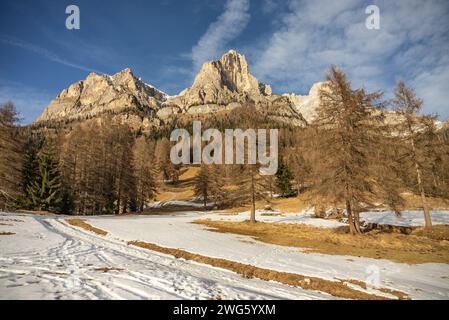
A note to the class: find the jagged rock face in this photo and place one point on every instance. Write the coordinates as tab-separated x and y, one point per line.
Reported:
307	105
221	83
98	94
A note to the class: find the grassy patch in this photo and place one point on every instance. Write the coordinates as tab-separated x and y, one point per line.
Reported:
37	212
337	288
7	233
305	201
84	225
419	247
413	202
182	190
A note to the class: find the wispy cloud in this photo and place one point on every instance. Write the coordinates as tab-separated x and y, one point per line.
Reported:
269	7
227	27
12	41
412	43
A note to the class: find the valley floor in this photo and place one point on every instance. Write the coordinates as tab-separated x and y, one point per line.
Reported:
44	257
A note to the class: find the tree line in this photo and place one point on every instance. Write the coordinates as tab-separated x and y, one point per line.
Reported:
356	155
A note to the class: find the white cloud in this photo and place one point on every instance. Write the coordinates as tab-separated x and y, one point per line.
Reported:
227	27
268	6
412	43
432	87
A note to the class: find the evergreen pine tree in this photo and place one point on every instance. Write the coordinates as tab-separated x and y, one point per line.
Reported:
45	191
283	180
10	156
203	184
30	171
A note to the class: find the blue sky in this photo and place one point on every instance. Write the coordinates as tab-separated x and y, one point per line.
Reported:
288	43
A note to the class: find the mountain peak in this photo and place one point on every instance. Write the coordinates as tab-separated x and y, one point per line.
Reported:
232	52
221	82
101	93
233	55
126	71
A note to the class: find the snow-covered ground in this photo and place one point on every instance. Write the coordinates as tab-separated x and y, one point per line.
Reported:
407	218
179	203
424	281
304	217
48	259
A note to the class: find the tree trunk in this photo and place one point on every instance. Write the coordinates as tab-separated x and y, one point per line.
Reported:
141	201
357	222
354	227
117	210
141	206
253	212
427	218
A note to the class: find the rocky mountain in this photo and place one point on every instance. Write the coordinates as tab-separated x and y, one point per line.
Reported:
220	85
226	84
307	105
99	94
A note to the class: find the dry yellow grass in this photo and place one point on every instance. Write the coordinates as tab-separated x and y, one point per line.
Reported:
305	201
7	233
189	173
175	194
183	190
415	248
84	225
284	205
337	288
413	201
41	213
